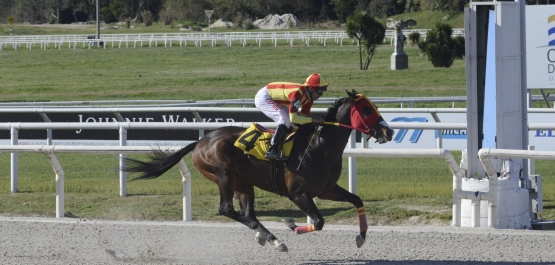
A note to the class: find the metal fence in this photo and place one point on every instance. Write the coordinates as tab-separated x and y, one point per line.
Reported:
198	39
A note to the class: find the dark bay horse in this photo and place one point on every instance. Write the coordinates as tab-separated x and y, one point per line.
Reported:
312	169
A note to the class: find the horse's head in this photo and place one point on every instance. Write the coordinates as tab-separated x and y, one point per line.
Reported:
360	113
366	118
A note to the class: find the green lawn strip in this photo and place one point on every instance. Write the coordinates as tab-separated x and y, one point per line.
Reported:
393	190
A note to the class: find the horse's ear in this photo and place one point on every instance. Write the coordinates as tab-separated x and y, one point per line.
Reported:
355	92
351	94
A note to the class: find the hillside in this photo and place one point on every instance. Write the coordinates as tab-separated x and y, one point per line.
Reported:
427	19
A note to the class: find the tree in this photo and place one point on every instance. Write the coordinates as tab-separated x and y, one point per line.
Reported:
54	7
367	31
344	8
31	11
386	8
8	9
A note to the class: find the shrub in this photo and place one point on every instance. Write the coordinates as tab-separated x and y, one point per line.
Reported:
238	19
414	38
189	24
289	24
439	46
147	18
165	17
248	25
107	15
422	48
459	47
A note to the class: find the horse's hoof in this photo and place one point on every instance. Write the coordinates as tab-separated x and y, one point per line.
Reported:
289	222
280	246
360	241
259	239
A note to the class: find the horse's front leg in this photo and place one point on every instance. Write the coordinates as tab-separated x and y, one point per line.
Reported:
340	194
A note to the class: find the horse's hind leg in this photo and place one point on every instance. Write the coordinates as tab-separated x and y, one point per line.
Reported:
340	194
307	205
246	203
227	209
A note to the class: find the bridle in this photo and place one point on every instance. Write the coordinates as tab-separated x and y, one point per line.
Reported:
360	123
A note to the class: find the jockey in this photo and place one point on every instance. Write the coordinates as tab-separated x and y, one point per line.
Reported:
281	101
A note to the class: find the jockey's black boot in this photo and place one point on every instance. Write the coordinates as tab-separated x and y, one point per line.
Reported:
277	140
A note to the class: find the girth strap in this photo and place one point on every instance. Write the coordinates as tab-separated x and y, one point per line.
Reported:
273	175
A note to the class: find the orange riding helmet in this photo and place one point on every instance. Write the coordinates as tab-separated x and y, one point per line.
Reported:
316	81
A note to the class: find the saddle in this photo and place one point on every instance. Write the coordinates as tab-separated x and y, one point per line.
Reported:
256	140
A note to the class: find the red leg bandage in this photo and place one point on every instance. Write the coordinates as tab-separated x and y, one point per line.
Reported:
362	219
304	229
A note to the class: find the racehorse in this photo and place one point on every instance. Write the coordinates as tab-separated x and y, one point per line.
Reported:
312	169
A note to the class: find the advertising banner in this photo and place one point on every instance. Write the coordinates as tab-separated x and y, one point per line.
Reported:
540	46
403	139
111	137
543	140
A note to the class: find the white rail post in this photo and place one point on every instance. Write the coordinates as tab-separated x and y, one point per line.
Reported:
49	137
186	182
122	174
475	212
14	160
457	200
60	180
531	162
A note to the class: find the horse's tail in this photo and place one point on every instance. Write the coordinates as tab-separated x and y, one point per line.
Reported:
158	162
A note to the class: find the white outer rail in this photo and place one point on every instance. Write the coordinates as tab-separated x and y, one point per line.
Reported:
458	174
458	194
121	126
170	39
124	126
181	39
50	151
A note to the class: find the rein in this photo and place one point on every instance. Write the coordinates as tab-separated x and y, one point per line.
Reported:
343	125
317	132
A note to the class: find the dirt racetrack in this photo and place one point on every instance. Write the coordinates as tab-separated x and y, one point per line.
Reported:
75	241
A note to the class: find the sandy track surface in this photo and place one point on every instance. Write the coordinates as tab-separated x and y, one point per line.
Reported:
74	241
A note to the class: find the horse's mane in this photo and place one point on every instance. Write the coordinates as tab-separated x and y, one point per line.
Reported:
331	114
332	111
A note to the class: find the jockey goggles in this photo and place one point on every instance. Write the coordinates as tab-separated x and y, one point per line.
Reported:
320	90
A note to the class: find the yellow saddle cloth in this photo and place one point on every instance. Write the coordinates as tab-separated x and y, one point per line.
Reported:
255	141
